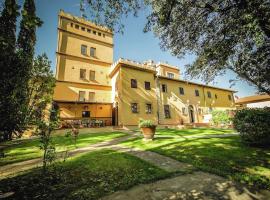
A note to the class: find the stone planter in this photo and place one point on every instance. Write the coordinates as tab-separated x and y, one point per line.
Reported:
148	132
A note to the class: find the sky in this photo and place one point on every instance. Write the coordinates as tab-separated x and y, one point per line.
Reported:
133	44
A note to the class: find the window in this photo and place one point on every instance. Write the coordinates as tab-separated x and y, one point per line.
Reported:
215	96
71	24
181	91
94	32
147	85
92	52
197	93
85	113
167	111
170	75
92	75
91	96
77	26
230	97
133	83
82	28
99	34
148	108
134	107
164	88
83	49
82	73
81	95
209	94
88	31
103	35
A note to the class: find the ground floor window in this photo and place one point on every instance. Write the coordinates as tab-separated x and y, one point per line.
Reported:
148	108
167	111
85	113
134	107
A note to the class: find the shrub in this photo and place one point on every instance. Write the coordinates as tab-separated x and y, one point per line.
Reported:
146	124
253	125
221	117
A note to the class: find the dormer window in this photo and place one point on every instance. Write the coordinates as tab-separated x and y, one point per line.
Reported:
170	75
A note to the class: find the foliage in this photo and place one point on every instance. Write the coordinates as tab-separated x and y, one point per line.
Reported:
75	134
16	66
226	156
88	176
9	90
253	125
221	117
223	34
146	124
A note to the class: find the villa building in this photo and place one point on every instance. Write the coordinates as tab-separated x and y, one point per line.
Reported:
91	87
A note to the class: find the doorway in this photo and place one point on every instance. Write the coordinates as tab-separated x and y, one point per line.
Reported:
191	113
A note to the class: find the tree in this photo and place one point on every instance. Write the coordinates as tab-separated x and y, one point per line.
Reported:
223	34
8	64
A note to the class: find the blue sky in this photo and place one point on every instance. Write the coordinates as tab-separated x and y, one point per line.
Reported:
133	44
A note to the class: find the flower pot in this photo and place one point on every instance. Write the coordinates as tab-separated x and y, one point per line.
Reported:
148	132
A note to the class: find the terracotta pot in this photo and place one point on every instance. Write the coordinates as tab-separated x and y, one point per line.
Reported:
148	132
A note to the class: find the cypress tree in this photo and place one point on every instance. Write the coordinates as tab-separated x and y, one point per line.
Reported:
8	104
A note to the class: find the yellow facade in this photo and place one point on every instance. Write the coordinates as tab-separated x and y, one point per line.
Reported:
89	85
186	107
84	55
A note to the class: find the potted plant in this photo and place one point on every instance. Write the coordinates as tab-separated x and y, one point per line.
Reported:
148	129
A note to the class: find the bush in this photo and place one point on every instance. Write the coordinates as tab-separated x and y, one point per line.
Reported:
146	124
221	117
253	125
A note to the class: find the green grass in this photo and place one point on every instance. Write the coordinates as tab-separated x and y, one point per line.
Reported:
227	157
26	149
88	176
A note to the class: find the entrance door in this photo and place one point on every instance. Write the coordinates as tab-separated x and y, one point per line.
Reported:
191	114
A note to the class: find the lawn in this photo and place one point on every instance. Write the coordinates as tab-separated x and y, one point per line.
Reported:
21	150
87	176
227	157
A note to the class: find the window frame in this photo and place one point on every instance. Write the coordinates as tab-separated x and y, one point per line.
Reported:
146	86
147	108
197	93
167	112
83	72
84	48
91	72
165	89
136	106
181	91
169	74
133	83
93	96
82	92
209	95
93	49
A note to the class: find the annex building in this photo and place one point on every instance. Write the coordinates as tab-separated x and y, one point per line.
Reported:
97	91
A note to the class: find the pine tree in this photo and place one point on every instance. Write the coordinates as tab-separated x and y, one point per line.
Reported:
8	105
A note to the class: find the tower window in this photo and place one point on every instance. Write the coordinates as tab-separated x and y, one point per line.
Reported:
230	97
82	73
92	75
83	49
82	28
99	34
92	52
77	26
88	31
170	75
